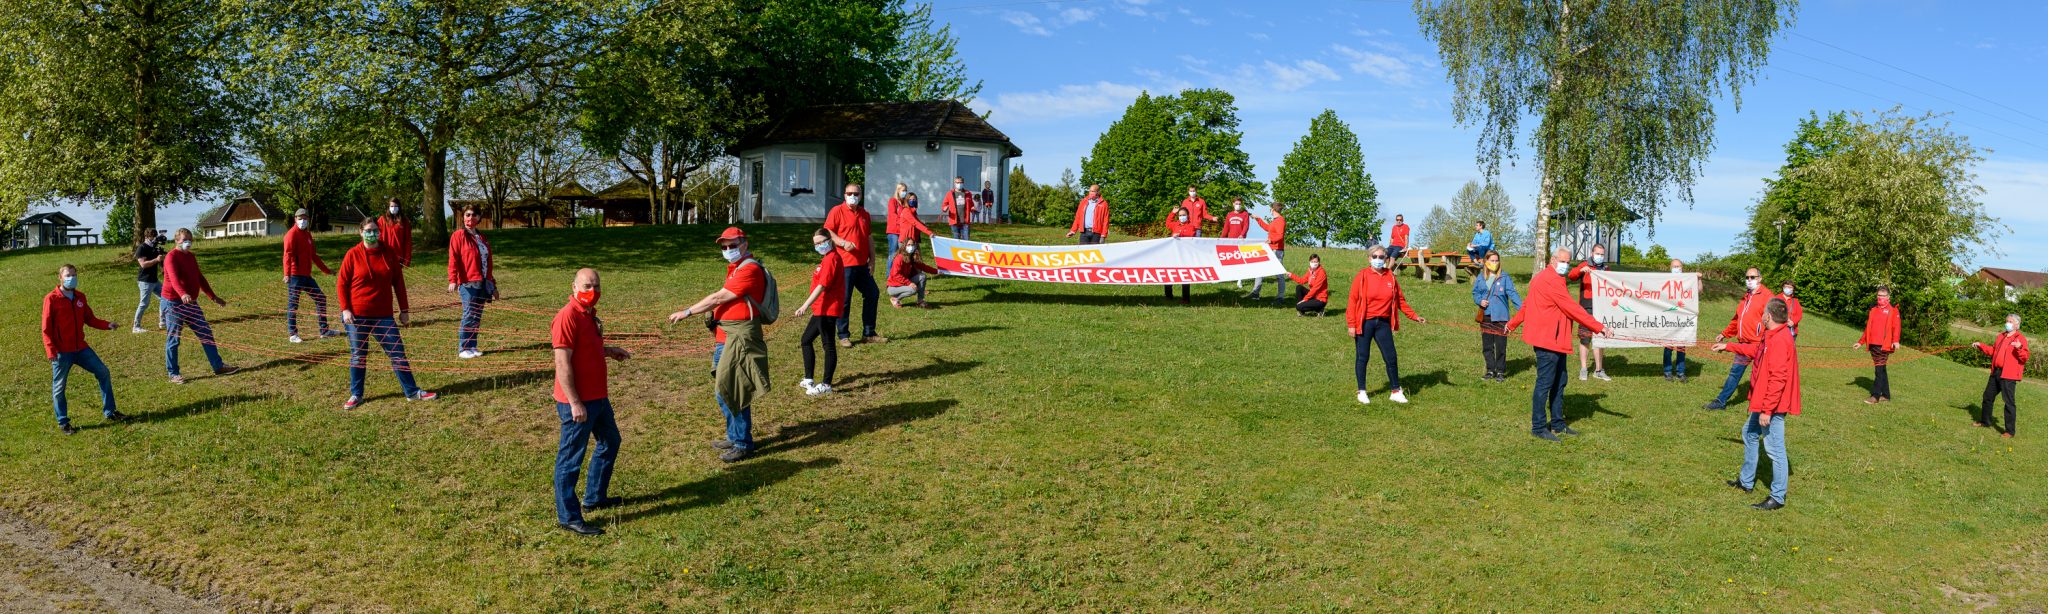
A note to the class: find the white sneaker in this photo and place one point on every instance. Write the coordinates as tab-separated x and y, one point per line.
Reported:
1582	375
296	339
806	384
1364	399
1602	376
137	329
468	354
1398	397
819	390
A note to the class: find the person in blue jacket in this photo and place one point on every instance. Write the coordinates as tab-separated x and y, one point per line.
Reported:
1494	292
1482	242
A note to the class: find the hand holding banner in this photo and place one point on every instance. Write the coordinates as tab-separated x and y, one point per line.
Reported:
1149	262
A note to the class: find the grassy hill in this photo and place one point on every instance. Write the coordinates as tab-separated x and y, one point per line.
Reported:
1023	447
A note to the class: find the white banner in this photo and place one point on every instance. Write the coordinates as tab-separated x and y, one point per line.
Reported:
1647	310
1148	262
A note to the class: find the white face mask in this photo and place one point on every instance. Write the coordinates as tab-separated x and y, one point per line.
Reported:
1379	263
185	245
1599	259
823	248
1559	267
1751	283
1677	270
1238	207
2008	327
1315	265
1191	194
910	249
393	210
853	199
303	224
1788	291
957	186
732	254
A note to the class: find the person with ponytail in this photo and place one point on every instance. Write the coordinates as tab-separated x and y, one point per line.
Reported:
1493	291
828	294
1375	296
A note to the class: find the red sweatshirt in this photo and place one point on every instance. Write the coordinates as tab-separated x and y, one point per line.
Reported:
396	236
1376	294
64	322
367	281
298	253
1276	232
1748	324
1236	224
1182	229
2008	355
959	206
1398	237
465	259
1549	310
1882	329
899	271
1317	282
182	277
1774	385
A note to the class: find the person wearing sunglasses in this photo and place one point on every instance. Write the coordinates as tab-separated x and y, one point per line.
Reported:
850	228
1746	327
470	271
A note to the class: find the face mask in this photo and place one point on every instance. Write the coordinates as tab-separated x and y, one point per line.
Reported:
1379	263
910	249
303	224
2008	327
71	283
1559	267
823	248
185	245
1676	270
1788	291
853	199
1191	194
957	186
1751	283
1599	259
1237	207
731	254
1183	219
370	239
393	210
587	297
1492	267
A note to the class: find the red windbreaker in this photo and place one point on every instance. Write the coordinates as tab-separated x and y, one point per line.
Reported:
1318	283
298	253
959	206
64	322
1748	324
1100	222
465	261
1881	330
899	276
2008	355
1376	294
1774	385
1549	310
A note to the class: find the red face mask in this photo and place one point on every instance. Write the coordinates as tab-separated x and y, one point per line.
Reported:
587	297
468	222
1884	301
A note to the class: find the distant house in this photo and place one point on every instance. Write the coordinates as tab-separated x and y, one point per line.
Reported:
2014	281
49	230
1580	231
791	170
253	214
528	212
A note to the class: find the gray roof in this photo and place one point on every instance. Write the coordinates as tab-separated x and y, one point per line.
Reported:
926	119
56	218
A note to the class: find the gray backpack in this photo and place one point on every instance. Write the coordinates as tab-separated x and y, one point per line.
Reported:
770	307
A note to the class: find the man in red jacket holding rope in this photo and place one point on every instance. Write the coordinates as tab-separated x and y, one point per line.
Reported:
1773	395
1549	310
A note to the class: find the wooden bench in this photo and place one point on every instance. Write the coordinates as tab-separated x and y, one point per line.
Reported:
1427	263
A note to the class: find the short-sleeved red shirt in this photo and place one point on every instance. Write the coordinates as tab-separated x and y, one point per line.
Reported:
748	281
853	224
578	330
831	275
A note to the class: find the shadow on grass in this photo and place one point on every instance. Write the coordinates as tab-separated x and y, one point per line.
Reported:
948	333
1518	365
1424	381
195	408
939	367
494	381
735	481
1582	406
305	359
834	430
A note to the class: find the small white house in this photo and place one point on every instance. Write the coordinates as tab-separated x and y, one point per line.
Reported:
248	215
1579	233
792	170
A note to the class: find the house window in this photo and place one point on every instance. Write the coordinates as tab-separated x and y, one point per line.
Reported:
798	173
967	165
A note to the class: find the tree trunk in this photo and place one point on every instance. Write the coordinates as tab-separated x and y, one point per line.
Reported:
145	214
435	218
1542	238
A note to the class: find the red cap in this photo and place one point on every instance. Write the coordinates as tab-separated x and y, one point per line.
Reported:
732	232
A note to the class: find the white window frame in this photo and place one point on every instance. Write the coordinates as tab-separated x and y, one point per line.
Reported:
808	182
973	183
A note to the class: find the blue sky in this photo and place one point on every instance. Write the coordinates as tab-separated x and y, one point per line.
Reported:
1057	73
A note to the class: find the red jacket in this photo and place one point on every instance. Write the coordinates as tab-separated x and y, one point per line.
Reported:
1318	283
1549	310
1774	383
298	252
1182	229
465	262
899	277
902	221
64	322
1198	210
962	212
368	280
1398	237
396	236
1794	312
889	219
1376	294
2008	360
1101	221
1276	232
1882	329
1748	324
1579	274
183	278
1236	224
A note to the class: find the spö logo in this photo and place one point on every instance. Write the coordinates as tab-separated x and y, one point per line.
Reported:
1242	254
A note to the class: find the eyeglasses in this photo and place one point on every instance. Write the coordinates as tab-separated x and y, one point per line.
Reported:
1752	277
853	193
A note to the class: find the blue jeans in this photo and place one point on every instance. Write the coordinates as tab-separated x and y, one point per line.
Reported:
176	317
292	287
1734	379
1376	331
739	425
385	330
1281	255
1478	254
149	290
598	421
1674	362
60	374
895	243
860	278
1546	402
1394	252
960	231
1773	437
473	300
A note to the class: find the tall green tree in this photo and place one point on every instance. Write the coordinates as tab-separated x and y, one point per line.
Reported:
1476	202
1775	221
114	102
926	61
1896	204
1328	196
1141	163
1205	121
1622	92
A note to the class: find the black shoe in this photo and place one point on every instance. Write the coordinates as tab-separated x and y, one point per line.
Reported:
1667	377
1546	436
579	528
1738	484
1566	431
722	444
604	503
1769	504
119	417
67	429
733	455
1681	378
1715	405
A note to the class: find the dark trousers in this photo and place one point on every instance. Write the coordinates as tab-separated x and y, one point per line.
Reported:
1090	238
292	287
860	278
1394	252
1674	362
1493	344
1882	386
820	325
598	423
385	332
1546	402
1303	304
1992	389
473	299
1183	292
1378	331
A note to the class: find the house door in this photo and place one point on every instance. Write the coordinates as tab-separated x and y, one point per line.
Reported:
967	166
755	168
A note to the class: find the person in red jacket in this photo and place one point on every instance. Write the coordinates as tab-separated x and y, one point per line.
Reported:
1584	275
1881	337
1747	327
65	316
2008	354
1798	312
1774	394
471	270
1375	296
1197	208
299	261
1091	217
394	231
1276	240
907	277
1397	239
1182	226
1549	310
1311	290
892	220
907	224
369	279
183	282
828	293
959	208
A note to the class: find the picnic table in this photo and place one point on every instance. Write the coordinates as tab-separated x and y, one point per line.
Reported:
1427	263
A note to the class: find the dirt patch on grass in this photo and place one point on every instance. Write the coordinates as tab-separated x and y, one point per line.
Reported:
40	573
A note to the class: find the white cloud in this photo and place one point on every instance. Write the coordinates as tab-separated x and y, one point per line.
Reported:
1260	36
1027	23
1390	69
1076	15
1136	7
1068	101
1268	76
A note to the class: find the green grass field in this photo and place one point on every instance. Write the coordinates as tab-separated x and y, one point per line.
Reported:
1023	447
